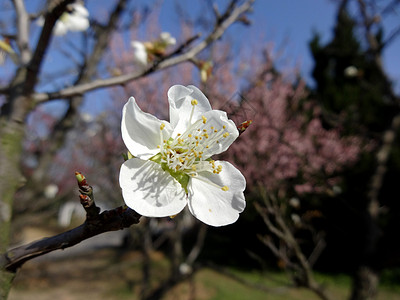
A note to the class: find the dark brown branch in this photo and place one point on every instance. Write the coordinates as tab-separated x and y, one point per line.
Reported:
95	224
56	9
70	119
110	220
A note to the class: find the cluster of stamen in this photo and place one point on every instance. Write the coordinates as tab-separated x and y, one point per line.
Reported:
185	152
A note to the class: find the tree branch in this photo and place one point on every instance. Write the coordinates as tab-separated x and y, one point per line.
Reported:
56	9
220	28
23	31
95	224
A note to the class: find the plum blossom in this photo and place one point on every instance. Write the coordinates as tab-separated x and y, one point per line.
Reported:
145	52
171	164
139	53
351	71
75	19
167	39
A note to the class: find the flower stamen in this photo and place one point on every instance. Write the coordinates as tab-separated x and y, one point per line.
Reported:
194	102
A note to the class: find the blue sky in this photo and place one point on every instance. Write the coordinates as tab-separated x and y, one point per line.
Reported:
298	19
287	23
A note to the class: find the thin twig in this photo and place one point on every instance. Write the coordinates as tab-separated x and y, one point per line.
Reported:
165	63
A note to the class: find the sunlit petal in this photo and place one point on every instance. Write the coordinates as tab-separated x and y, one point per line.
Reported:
141	131
182	112
149	190
208	200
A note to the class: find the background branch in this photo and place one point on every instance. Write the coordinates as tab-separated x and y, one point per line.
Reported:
219	29
95	224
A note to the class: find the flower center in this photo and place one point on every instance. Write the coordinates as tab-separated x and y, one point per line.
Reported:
188	153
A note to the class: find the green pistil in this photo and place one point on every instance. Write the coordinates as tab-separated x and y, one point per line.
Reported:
181	177
156	158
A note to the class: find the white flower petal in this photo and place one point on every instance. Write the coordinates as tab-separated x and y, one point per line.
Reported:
80	10
141	131
149	190
60	28
77	23
167	38
180	106
209	203
139	53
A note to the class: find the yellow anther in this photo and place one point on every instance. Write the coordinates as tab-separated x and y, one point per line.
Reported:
205	130
194	168
158	146
162	126
178	134
225	134
194	102
189	135
215	130
204	119
224	127
224	188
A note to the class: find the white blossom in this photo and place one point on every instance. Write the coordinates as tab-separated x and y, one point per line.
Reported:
76	19
351	71
172	166
167	39
139	53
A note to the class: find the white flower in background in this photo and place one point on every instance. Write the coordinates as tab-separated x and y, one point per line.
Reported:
145	52
139	53
167	39
78	19
296	219
172	166
294	202
75	19
51	191
351	71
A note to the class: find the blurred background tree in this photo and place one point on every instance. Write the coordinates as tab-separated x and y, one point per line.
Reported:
356	95
321	161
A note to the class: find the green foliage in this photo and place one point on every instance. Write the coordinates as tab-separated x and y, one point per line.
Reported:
361	100
360	103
